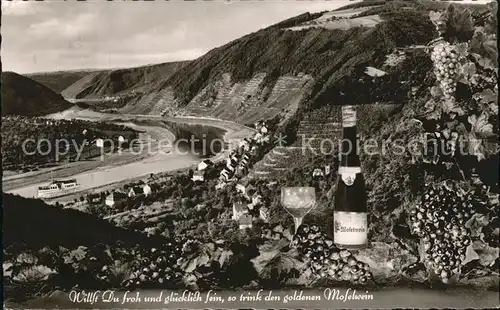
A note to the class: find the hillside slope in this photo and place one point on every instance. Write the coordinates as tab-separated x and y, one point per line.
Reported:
23	96
278	70
58	81
44	225
111	82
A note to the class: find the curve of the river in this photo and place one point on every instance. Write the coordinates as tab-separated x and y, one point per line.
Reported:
156	159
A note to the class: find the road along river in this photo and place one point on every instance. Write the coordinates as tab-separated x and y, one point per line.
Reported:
131	164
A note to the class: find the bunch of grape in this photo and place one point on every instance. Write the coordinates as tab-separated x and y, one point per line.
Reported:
394	58
446	67
440	145
439	220
326	260
151	268
159	267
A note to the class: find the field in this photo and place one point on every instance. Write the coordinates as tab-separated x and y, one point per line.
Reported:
343	19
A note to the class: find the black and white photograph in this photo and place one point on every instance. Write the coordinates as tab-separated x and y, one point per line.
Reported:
230	154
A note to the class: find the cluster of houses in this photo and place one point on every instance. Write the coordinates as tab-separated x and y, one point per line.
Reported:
116	196
238	162
237	165
40	121
199	174
318	172
248	199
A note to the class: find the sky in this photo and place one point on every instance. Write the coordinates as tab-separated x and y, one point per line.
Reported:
56	35
59	35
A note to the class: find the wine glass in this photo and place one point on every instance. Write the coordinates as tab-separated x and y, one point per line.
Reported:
298	201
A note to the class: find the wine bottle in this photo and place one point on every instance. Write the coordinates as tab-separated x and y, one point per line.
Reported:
350	221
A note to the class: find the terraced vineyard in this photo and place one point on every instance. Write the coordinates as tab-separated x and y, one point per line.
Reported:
317	133
243	102
149	216
247	102
159	103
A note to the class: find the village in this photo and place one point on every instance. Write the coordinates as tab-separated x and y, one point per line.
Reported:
152	199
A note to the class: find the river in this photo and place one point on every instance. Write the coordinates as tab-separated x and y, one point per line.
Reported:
155	157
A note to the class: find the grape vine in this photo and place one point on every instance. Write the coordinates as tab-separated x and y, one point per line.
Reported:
460	133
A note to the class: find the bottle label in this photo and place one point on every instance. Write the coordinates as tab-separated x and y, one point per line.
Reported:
350	228
348	116
348	179
348	174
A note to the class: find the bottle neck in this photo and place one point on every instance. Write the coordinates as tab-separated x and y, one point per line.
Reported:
349	156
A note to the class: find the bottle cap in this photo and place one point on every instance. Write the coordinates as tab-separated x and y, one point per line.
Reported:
348	116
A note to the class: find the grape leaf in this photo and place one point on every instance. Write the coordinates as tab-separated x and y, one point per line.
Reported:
480	125
470	255
450	106
432	110
491	25
487	254
483	47
191	266
461	129
475	146
436	92
467	71
459	24
490	98
7	269
436	17
203	259
224	257
34	273
462	50
75	255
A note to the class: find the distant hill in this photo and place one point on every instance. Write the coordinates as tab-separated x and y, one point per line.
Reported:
24	96
111	82
285	69
60	80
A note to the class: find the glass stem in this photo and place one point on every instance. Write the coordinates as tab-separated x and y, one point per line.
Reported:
297	221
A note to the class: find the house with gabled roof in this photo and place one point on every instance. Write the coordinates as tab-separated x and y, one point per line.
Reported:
204	164
239	209
220	185
327	169
225	174
245	221
94	198
264	214
240	188
114	197
244	162
136	190
198	176
146	189
318	173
